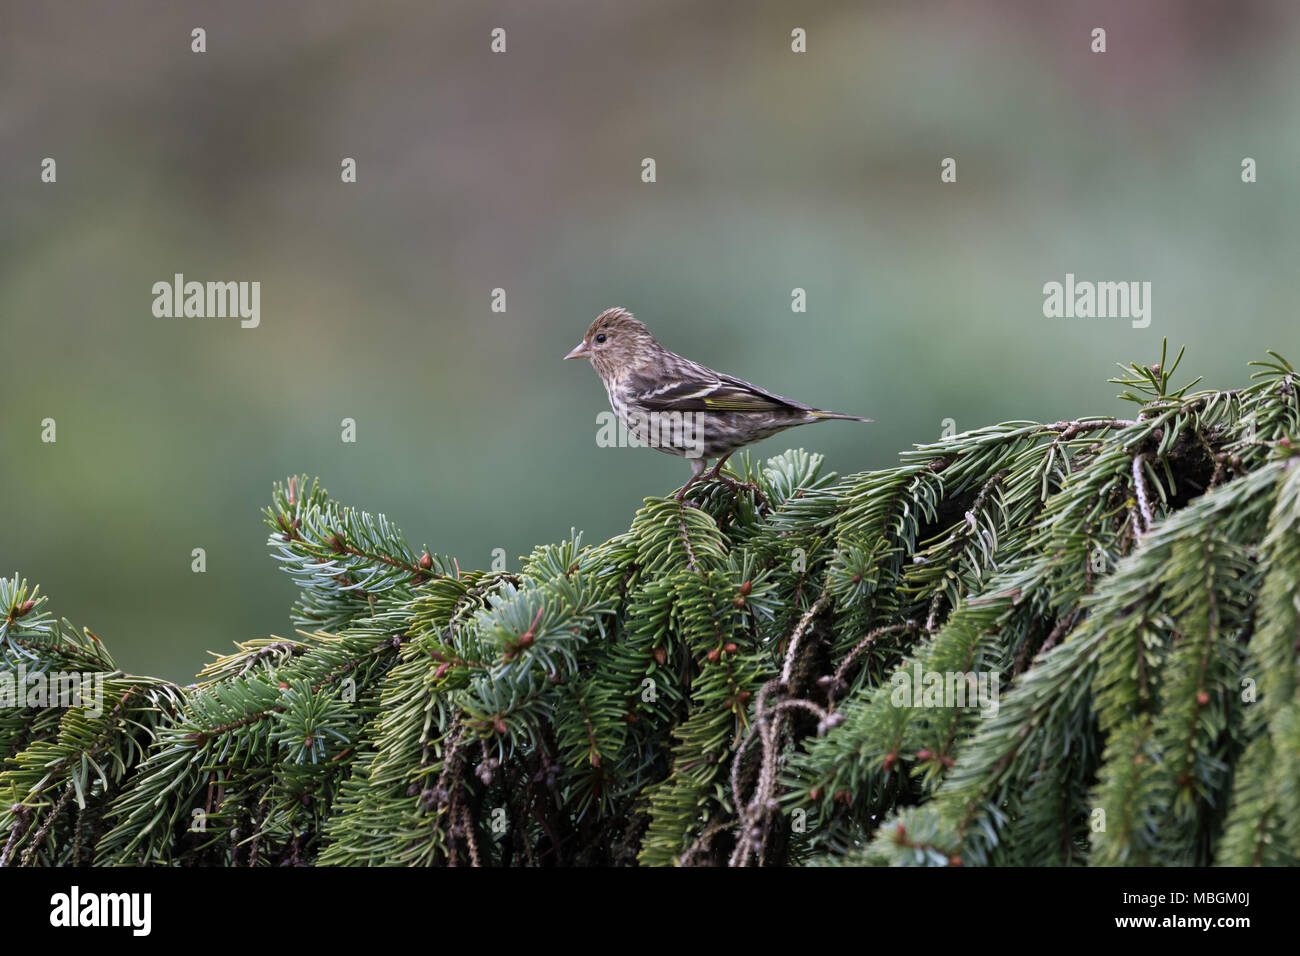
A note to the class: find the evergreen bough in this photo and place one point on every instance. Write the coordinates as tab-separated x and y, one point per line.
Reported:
718	684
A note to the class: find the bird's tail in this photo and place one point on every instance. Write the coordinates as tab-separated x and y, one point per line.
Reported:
819	414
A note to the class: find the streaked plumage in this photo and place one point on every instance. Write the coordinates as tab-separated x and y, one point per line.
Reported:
682	407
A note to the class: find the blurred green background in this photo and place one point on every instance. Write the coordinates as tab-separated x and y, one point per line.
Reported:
776	170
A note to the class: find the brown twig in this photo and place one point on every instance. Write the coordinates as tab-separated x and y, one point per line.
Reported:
792	647
1140	489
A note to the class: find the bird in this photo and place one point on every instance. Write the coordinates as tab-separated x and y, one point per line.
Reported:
681	407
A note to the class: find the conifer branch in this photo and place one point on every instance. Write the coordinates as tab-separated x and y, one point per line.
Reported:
1031	643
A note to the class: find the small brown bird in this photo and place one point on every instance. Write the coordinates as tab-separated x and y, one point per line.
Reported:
682	407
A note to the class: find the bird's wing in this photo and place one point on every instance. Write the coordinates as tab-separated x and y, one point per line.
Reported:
701	390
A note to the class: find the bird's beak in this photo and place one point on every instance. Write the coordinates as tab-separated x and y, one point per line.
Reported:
579	351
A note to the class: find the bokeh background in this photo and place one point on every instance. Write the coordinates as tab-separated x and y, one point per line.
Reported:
521	170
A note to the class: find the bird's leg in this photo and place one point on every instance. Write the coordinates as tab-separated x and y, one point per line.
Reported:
736	485
697	469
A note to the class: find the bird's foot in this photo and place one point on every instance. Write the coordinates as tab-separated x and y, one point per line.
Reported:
750	486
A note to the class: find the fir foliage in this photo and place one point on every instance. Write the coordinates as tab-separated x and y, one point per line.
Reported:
729	682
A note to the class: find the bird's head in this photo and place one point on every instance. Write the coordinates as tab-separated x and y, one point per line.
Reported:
614	343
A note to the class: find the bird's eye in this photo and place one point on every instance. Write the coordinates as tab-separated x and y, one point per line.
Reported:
601	337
